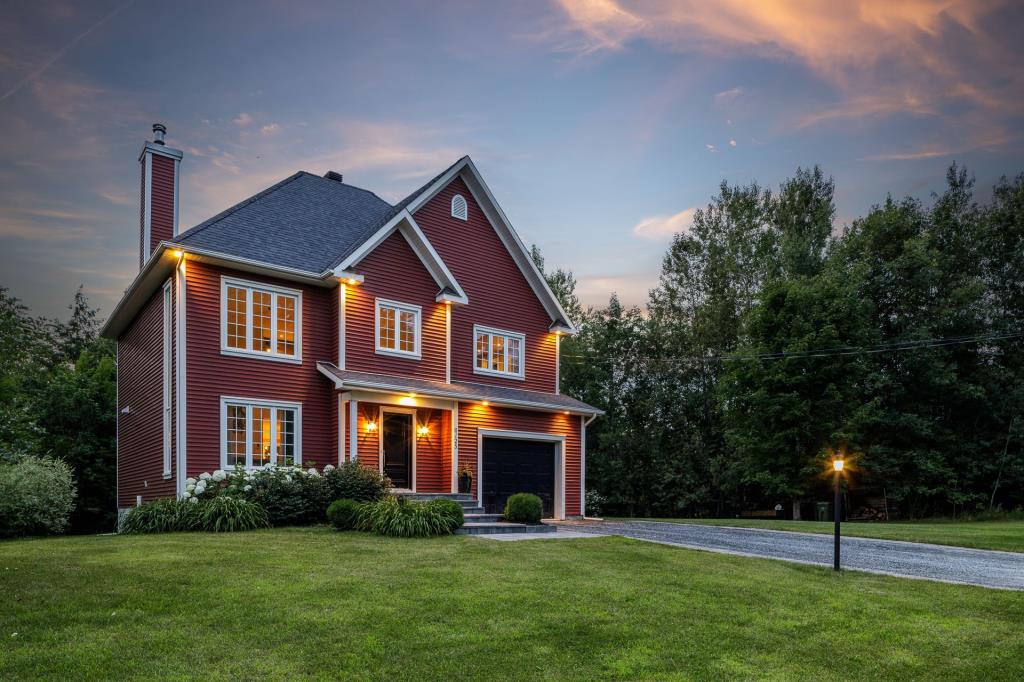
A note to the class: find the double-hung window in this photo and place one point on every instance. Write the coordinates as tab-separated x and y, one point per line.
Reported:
398	328
261	319
258	433
499	353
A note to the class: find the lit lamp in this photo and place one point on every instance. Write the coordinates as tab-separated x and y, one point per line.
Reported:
837	466
371	427
422	430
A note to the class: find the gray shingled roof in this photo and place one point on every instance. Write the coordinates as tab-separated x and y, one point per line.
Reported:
302	222
461	390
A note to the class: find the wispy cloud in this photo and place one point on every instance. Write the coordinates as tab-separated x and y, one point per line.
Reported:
270	129
242	120
664	226
727	96
41	69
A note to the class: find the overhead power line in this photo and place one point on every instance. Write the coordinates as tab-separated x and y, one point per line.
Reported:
888	347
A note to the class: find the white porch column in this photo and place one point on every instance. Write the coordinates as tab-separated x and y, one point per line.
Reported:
353	433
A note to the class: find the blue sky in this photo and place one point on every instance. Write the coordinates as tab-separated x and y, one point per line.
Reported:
599	125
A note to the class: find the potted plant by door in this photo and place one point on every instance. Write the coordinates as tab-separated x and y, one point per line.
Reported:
465	479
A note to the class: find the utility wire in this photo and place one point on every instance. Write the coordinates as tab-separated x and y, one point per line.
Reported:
888	347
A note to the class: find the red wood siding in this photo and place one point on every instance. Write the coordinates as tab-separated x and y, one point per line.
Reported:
161	225
393	271
211	375
473	417
499	295
140	456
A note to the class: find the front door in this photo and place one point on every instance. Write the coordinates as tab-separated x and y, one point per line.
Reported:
396	441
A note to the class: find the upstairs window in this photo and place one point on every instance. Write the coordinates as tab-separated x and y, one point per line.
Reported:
260	319
499	353
398	328
459	208
256	434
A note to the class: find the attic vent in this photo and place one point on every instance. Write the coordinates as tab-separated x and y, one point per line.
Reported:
459	208
332	175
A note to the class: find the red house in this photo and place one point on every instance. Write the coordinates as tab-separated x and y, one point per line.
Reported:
315	323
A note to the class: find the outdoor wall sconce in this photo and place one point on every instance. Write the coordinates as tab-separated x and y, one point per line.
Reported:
371	427
422	430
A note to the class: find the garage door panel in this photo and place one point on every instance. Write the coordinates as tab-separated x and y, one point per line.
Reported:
517	466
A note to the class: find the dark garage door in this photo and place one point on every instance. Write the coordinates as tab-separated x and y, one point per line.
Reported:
518	466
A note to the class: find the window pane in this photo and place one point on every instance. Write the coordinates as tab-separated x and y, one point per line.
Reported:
407	332
513	355
236	317
260	436
285	437
286	325
387	328
482	360
261	340
498	353
236	435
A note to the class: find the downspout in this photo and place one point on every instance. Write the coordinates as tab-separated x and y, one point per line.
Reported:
583	465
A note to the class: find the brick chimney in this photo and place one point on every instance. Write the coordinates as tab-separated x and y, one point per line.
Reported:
158	219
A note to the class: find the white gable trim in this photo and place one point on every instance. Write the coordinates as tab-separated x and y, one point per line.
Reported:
421	246
501	224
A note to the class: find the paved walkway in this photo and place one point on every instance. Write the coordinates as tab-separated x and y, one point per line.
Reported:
906	559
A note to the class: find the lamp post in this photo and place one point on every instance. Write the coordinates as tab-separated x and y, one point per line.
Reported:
837	466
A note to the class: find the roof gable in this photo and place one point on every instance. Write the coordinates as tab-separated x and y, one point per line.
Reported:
467	170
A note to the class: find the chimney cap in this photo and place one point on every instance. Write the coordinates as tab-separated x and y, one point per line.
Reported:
159	130
333	175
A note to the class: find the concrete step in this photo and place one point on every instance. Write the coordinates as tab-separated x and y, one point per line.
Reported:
426	497
481	517
491	528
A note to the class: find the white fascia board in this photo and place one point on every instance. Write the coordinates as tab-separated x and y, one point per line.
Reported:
421	246
501	224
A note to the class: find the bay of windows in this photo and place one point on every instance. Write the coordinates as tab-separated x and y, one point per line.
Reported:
499	352
260	434
260	319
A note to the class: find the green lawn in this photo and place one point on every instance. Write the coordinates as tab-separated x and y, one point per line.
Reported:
1005	535
312	603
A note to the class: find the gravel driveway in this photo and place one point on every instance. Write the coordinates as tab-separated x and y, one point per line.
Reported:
906	559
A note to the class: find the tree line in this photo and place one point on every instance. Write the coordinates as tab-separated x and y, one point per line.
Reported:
774	340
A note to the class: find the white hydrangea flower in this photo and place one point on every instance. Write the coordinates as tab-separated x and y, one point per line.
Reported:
313	472
329	467
187	494
219	475
190	487
190	481
247	488
205	476
193	499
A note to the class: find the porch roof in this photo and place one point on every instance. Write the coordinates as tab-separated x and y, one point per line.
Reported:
498	395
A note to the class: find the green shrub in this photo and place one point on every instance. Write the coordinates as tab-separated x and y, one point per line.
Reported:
523	508
450	511
400	518
162	516
344	514
227	514
353	481
37	495
291	497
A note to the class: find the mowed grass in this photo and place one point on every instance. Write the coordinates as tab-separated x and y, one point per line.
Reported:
316	604
1003	535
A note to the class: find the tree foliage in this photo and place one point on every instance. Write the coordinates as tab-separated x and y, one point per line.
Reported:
773	339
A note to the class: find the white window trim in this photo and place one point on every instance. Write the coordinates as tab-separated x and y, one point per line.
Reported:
465	208
168	303
492	331
274	405
250	286
398	305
